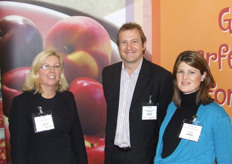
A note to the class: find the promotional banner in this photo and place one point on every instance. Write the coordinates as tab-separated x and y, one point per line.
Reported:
85	34
204	26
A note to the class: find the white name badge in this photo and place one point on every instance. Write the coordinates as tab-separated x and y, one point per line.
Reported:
43	123
190	132
149	112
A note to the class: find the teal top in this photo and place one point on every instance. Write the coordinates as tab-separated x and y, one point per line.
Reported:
215	140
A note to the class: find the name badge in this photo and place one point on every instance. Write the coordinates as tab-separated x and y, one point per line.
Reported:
149	112
43	122
190	132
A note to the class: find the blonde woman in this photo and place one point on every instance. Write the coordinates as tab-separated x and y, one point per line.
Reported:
44	123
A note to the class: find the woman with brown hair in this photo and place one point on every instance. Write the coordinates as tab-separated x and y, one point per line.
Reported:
195	130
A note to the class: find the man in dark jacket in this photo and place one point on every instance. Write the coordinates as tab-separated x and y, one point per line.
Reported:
137	93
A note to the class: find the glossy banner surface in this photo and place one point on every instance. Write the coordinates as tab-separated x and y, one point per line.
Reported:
203	26
84	32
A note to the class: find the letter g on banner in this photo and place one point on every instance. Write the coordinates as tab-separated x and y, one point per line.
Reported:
225	24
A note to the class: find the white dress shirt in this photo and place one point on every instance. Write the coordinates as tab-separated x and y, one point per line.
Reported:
127	87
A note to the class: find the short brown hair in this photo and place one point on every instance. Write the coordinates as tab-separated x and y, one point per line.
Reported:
131	26
194	59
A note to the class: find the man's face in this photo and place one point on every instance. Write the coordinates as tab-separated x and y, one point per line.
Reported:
130	46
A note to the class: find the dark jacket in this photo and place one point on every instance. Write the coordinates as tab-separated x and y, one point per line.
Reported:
62	145
153	80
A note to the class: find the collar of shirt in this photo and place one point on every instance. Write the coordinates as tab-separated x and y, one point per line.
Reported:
137	69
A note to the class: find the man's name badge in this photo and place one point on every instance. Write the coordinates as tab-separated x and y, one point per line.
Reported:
43	122
190	132
149	112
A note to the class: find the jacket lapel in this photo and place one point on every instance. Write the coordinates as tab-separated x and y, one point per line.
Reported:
115	80
142	82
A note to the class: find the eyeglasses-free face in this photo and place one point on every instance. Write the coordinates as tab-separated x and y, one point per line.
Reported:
188	78
130	46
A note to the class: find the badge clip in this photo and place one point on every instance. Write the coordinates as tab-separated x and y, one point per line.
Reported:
40	109
150	100
194	119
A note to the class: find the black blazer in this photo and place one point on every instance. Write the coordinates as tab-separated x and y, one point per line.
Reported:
153	80
63	145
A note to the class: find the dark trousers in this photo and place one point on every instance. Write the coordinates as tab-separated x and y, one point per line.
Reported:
120	156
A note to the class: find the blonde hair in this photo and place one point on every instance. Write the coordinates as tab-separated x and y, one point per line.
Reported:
32	83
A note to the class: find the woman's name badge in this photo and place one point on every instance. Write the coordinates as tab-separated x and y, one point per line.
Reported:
190	132
149	112
43	122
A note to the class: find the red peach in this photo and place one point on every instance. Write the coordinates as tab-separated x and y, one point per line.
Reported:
91	104
12	82
84	38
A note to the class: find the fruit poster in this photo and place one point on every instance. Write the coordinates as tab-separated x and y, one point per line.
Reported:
85	33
